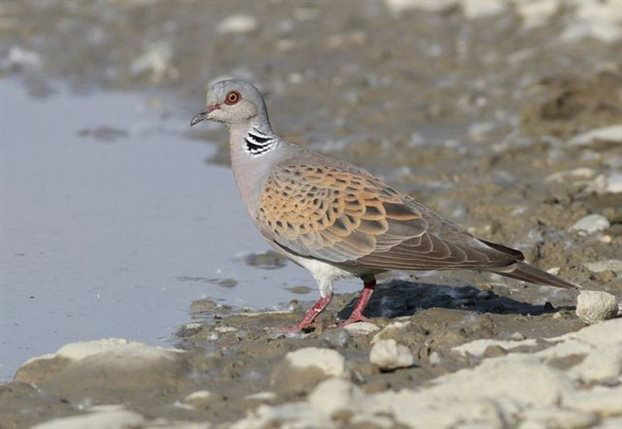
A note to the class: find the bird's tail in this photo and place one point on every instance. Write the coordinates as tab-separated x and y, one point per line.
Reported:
531	274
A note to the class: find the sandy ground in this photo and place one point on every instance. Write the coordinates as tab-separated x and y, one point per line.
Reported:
485	112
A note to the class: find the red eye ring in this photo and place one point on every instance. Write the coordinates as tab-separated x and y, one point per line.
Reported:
232	97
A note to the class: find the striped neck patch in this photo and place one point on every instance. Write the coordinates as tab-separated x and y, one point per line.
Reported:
258	143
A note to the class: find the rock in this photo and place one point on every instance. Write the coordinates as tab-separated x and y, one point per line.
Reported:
388	355
334	395
199	397
156	60
556	418
607	265
99	417
390	330
19	58
336	337
478	347
237	24
602	400
603	365
302	369
591	223
361	328
594	306
614	183
434	358
106	364
612	133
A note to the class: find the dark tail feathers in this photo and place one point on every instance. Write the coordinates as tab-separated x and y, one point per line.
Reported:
531	274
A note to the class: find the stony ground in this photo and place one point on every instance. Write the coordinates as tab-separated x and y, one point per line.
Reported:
506	117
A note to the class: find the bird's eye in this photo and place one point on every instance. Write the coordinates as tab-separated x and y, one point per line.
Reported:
232	97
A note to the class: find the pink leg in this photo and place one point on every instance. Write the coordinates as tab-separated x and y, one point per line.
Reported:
311	314
357	313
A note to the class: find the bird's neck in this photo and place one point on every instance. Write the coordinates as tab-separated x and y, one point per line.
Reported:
252	145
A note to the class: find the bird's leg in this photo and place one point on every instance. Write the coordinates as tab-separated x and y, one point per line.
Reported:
311	313
357	313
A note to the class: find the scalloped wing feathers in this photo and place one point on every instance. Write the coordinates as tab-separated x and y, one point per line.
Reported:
322	208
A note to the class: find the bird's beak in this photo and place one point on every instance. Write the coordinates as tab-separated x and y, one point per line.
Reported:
203	115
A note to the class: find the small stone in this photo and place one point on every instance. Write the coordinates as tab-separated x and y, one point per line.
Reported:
614	183
607	265
304	368
434	358
237	24
591	223
361	328
335	394
225	329
336	337
594	306
517	336
612	133
198	397
388	354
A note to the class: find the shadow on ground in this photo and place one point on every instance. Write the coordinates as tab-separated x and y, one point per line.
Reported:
398	298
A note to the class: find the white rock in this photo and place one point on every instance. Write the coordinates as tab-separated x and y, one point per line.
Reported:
262	396
334	394
594	306
237	24
434	358
591	223
602	400
602	365
614	183
611	133
388	354
19	57
117	346
607	265
225	329
199	396
390	329
536	13
550	417
327	360
100	417
398	6
482	8
577	173
155	60
478	347
361	328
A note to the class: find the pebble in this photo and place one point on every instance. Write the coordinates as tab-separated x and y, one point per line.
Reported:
361	328
237	24
614	183
328	361
389	354
611	133
333	395
336	337
594	306
591	223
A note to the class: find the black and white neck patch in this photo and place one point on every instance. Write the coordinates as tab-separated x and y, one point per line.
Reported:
258	143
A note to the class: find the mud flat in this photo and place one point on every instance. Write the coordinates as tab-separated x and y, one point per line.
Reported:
505	117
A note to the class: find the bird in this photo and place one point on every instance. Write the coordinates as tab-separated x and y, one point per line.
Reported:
338	220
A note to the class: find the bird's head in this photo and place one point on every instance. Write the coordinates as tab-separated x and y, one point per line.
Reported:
232	101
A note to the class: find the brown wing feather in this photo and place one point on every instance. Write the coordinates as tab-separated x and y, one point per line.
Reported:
332	211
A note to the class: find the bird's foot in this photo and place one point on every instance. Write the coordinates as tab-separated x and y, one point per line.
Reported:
310	315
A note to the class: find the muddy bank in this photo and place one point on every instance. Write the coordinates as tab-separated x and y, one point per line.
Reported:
505	119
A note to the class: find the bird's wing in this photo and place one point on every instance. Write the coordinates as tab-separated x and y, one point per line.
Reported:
340	214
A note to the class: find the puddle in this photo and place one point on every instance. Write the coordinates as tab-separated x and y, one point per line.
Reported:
113	224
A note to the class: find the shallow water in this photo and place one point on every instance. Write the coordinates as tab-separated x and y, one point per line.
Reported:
112	224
